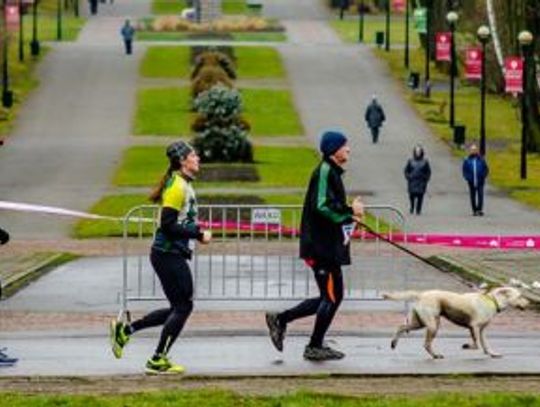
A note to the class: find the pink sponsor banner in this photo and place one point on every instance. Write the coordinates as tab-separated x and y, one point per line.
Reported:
398	5
11	13
443	46
473	63
513	74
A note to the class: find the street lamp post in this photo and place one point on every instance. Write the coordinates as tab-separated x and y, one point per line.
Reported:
452	18
407	17
387	43
525	39
361	8
59	21
21	32
427	84
34	44
7	95
483	34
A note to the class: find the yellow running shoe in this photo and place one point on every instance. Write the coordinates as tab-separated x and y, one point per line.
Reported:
118	337
163	366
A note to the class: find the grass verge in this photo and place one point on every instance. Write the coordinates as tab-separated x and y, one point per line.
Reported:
276	167
176	6
222	398
167	111
348	30
174	62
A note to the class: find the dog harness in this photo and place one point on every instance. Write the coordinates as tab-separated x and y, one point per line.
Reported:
493	301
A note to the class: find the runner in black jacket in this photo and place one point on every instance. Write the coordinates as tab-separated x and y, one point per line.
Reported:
327	222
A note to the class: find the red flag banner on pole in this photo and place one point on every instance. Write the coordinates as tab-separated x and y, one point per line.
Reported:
442	41
398	6
473	63
11	13
513	74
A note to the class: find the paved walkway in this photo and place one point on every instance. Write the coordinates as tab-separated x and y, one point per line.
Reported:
73	128
333	83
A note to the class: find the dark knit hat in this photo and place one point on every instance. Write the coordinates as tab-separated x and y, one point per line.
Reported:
332	141
178	150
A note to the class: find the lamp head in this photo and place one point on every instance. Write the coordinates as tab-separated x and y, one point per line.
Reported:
452	17
525	38
483	33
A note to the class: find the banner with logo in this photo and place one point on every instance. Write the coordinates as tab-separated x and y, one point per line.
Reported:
513	74
473	63
399	5
12	15
420	20
443	46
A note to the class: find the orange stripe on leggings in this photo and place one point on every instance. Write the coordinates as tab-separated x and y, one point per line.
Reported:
330	288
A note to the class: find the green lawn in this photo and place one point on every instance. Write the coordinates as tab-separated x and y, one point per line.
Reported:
271	112
258	62
176	6
166	111
235	36
503	130
174	62
276	166
166	62
163	111
234	7
348	30
47	22
168	6
222	398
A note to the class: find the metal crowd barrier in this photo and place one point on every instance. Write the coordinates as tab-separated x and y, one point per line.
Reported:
254	255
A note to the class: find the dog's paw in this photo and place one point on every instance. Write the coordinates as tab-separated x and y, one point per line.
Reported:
469	346
495	355
438	356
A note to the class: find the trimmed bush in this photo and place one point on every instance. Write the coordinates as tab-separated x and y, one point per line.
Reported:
221	133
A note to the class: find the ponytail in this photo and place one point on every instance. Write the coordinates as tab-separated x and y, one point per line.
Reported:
174	165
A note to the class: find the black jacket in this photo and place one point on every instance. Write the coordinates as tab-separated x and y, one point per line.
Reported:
324	214
417	172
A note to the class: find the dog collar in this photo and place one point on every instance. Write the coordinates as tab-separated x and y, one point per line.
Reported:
493	301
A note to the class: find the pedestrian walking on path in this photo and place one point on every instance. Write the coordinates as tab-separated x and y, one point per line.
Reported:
128	32
171	250
375	118
93	6
5	360
475	172
327	223
417	173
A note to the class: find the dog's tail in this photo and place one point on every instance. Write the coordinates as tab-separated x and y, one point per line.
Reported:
401	295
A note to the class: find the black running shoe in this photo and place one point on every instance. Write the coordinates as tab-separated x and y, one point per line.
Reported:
6	360
276	330
317	354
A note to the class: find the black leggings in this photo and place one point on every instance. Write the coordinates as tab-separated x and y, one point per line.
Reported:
330	283
416	203
175	276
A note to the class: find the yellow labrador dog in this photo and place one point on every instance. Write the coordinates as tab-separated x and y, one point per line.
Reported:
471	310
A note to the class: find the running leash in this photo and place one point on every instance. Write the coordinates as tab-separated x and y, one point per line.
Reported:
398	246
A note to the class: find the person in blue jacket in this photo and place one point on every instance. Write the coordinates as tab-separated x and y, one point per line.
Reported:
475	172
5	360
128	32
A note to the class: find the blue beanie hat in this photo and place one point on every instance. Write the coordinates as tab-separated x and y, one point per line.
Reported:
332	141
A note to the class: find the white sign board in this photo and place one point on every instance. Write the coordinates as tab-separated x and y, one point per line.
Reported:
270	216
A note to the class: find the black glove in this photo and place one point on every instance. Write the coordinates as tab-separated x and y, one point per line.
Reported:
4	236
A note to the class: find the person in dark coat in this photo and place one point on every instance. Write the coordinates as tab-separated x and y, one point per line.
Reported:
375	118
128	32
417	173
93	6
5	360
475	172
326	227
